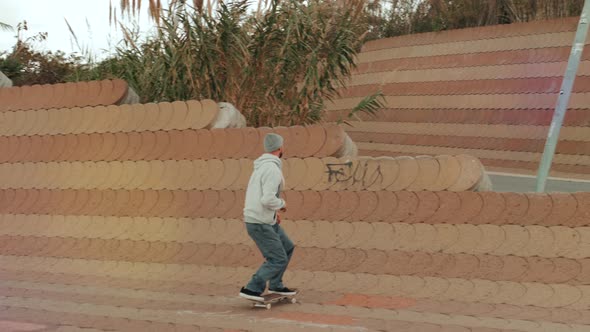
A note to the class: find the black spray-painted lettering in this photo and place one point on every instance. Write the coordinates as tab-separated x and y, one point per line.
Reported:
345	172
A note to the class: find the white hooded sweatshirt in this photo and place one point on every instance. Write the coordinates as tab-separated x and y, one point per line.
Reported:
262	196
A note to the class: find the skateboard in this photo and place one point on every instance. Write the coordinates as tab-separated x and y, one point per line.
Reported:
269	299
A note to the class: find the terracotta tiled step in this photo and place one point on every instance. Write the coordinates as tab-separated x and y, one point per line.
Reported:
476	87
121	297
486	236
510	166
528	171
533	55
456	308
215	295
490	143
178	115
448	264
504	101
129	299
80	94
453	173
451	238
579	171
171	174
492	72
503	43
122	318
533	117
473	290
287	319
188	144
527	157
170	290
556	209
72	322
477	33
146	203
567	133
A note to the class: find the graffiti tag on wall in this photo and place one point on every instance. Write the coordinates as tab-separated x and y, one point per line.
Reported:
353	174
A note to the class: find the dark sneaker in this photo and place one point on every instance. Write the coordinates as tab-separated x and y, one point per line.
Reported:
283	291
250	295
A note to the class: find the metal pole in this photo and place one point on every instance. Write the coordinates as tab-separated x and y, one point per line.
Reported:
563	99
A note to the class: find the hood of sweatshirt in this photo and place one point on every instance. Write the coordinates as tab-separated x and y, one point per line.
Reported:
268	158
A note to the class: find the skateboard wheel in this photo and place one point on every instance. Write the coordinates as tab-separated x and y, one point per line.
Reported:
268	306
293	300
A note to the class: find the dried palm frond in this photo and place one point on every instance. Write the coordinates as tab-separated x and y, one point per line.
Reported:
133	7
6	27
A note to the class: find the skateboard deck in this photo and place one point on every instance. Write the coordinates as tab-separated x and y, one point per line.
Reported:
269	299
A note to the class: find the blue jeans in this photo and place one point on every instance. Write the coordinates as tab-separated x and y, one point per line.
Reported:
277	249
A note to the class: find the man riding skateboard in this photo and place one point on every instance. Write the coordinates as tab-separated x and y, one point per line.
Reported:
261	215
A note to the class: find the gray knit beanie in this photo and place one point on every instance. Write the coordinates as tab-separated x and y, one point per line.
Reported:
272	142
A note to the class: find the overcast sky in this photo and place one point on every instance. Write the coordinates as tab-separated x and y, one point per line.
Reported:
48	16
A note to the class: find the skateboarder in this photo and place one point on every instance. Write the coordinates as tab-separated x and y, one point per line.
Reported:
261	214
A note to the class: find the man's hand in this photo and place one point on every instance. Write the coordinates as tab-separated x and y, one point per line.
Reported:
278	219
284	208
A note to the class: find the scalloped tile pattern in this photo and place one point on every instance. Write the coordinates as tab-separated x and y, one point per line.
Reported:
480	82
134	230
65	95
128	217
